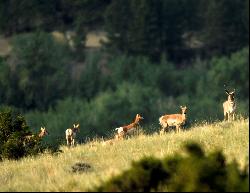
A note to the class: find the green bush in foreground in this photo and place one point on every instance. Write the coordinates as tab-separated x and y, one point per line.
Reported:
192	172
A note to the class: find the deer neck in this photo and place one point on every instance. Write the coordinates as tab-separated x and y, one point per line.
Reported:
74	130
183	116
136	121
229	99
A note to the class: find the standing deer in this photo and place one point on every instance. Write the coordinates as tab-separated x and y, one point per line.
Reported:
71	134
229	106
176	120
122	131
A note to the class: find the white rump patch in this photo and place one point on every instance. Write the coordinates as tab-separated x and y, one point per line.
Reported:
68	132
119	129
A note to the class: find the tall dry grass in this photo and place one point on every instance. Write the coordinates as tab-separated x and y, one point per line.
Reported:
54	173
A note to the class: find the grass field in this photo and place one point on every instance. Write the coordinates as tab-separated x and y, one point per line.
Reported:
53	173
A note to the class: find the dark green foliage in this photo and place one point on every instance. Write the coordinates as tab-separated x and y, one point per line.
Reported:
180	29
13	132
224	30
173	27
145	175
117	20
25	16
89	12
237	73
13	148
148	28
40	74
13	128
91	80
194	172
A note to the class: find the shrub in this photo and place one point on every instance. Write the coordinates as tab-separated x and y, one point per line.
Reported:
13	129
192	172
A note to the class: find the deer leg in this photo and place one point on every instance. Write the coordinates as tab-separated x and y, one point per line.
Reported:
225	116
177	128
162	131
229	116
233	116
121	135
67	141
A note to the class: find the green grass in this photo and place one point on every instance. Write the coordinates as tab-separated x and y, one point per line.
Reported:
53	173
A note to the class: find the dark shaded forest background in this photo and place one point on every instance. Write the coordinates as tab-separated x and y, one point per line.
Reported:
158	55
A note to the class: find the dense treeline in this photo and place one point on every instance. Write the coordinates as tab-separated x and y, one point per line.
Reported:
160	55
180	29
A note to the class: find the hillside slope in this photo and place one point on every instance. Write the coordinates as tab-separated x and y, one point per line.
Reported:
54	173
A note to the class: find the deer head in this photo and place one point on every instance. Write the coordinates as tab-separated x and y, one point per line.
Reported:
138	118
76	127
183	109
230	94
43	132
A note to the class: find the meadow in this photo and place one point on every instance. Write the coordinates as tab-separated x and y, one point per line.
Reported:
48	172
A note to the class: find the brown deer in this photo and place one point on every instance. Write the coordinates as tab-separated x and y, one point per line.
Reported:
43	132
124	130
176	120
71	134
229	106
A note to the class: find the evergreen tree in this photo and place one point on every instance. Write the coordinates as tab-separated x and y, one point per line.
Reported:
145	28
25	16
117	19
41	70
224	29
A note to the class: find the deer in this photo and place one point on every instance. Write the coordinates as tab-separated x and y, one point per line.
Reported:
71	134
229	106
43	133
176	120
124	130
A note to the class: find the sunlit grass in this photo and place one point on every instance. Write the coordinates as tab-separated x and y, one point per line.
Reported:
53	173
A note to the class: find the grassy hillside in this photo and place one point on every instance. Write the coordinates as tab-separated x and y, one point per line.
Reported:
54	173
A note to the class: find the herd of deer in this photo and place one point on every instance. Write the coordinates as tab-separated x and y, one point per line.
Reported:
175	120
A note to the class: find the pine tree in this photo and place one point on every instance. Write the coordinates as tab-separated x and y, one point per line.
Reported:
145	28
117	19
224	30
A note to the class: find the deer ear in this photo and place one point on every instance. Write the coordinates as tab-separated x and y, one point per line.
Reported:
227	92
77	125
